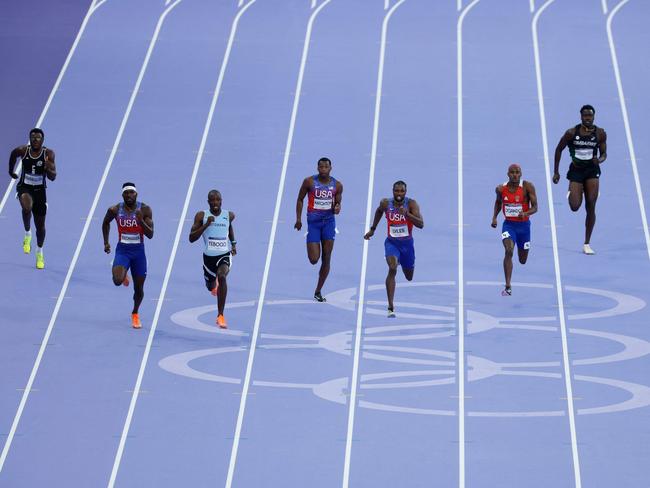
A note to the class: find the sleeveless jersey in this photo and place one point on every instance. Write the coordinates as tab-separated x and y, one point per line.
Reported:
33	172
399	227
321	198
583	148
215	237
128	229
513	203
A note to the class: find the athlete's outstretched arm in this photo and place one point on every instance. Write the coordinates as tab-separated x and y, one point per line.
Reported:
304	189
197	227
414	215
145	219
338	197
602	146
378	213
18	152
111	213
231	234
50	165
564	140
497	206
532	199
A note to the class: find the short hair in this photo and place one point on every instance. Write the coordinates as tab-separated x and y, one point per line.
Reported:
325	160
399	182
36	130
128	183
214	192
587	107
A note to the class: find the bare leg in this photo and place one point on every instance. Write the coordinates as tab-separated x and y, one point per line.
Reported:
222	292
26	206
390	280
119	273
39	221
408	273
138	292
509	247
591	195
313	252
328	247
575	195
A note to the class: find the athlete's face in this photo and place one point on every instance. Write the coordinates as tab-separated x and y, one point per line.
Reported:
324	168
587	117
514	175
399	192
129	197
214	200
36	140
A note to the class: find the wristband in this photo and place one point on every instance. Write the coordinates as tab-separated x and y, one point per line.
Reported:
233	243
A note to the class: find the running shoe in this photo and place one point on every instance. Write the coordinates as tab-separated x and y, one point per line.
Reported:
221	321
135	321
27	244
40	261
126	280
507	291
588	250
391	313
319	298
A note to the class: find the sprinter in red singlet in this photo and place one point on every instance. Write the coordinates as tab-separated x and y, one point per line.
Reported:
517	199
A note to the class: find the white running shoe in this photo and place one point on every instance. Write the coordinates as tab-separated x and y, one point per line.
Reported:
391	313
588	250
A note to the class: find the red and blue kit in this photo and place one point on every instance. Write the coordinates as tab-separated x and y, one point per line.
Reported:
129	251
321	225
399	242
515	227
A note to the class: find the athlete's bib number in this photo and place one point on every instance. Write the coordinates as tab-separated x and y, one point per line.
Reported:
399	231
513	209
130	239
320	204
33	180
586	154
217	244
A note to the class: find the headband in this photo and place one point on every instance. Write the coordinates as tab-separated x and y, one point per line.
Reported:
130	187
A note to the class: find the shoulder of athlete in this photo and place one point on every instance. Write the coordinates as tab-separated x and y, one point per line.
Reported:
49	154
146	209
383	203
339	186
600	132
231	215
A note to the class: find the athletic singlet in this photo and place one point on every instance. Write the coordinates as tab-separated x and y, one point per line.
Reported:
583	148
321	198
513	203
215	237
399	227
128	229
33	172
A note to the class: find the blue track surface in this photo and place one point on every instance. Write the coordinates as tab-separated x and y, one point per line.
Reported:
188	95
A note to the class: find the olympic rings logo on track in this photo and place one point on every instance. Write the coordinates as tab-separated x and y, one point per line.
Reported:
432	367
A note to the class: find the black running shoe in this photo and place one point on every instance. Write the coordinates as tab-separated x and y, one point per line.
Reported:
319	298
507	291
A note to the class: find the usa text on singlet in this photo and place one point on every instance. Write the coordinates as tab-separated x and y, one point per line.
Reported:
399	227
514	203
321	199
215	237
33	172
128	229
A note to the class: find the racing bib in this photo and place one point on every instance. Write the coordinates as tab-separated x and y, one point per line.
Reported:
218	244
320	204
399	231
130	239
585	154
33	180
512	209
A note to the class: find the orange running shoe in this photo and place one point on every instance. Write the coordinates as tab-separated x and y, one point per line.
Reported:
126	280
135	321
221	321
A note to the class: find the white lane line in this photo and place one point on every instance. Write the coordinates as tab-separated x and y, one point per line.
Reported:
269	251
364	260
461	258
626	122
556	257
18	167
82	238
459	5
604	5
532	6
179	230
